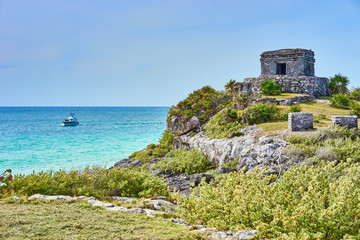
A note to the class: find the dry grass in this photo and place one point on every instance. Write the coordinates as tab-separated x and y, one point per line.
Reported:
284	95
322	116
78	220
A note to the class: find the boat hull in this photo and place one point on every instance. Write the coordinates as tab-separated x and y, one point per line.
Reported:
69	124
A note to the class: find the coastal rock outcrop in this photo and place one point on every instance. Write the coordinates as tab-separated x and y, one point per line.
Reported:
249	150
183	183
178	126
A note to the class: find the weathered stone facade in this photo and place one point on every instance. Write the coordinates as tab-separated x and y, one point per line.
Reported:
292	69
300	121
293	62
348	121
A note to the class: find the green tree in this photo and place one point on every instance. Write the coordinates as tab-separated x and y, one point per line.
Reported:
232	87
338	84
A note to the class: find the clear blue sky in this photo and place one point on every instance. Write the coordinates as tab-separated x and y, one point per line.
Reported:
154	53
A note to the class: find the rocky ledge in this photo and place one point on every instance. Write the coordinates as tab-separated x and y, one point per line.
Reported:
249	150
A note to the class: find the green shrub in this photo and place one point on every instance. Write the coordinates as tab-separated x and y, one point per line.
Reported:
294	108
262	112
355	108
97	182
332	143
306	202
270	87
340	101
183	161
202	103
155	150
223	124
355	94
323	134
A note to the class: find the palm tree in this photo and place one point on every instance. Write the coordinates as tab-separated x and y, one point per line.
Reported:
338	84
232	87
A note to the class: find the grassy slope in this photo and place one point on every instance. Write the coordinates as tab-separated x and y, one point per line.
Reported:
316	108
61	220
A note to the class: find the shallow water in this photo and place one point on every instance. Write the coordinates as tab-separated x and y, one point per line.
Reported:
32	138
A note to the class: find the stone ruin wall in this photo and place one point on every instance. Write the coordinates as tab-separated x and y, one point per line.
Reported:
299	62
313	86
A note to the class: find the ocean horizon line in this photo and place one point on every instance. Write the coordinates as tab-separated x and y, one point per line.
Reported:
84	106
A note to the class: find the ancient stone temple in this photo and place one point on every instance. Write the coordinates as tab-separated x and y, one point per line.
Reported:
292	69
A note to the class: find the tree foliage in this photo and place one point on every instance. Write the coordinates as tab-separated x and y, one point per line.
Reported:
338	84
202	103
270	87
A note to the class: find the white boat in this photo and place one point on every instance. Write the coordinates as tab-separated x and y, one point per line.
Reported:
71	120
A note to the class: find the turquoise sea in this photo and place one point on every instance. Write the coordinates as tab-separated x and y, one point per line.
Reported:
32	138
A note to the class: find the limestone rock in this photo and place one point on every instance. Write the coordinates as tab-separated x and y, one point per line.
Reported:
345	121
158	204
83	198
220	235
178	127
45	197
249	150
245	234
96	203
123	198
152	213
223	170
127	163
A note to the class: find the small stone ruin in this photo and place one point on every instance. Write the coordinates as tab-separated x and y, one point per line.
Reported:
345	121
300	121
292	69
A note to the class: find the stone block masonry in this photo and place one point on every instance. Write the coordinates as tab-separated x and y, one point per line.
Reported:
300	121
345	121
292	69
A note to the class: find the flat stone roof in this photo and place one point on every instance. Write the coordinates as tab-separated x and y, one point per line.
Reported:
288	51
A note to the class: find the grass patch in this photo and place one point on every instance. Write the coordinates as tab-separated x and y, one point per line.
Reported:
223	124
273	126
322	108
284	95
322	115
60	220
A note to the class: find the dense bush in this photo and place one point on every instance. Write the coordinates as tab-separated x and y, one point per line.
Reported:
97	182
340	101
355	108
183	161
224	124
338	84
306	202
155	150
355	94
261	112
332	143
202	103
270	87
